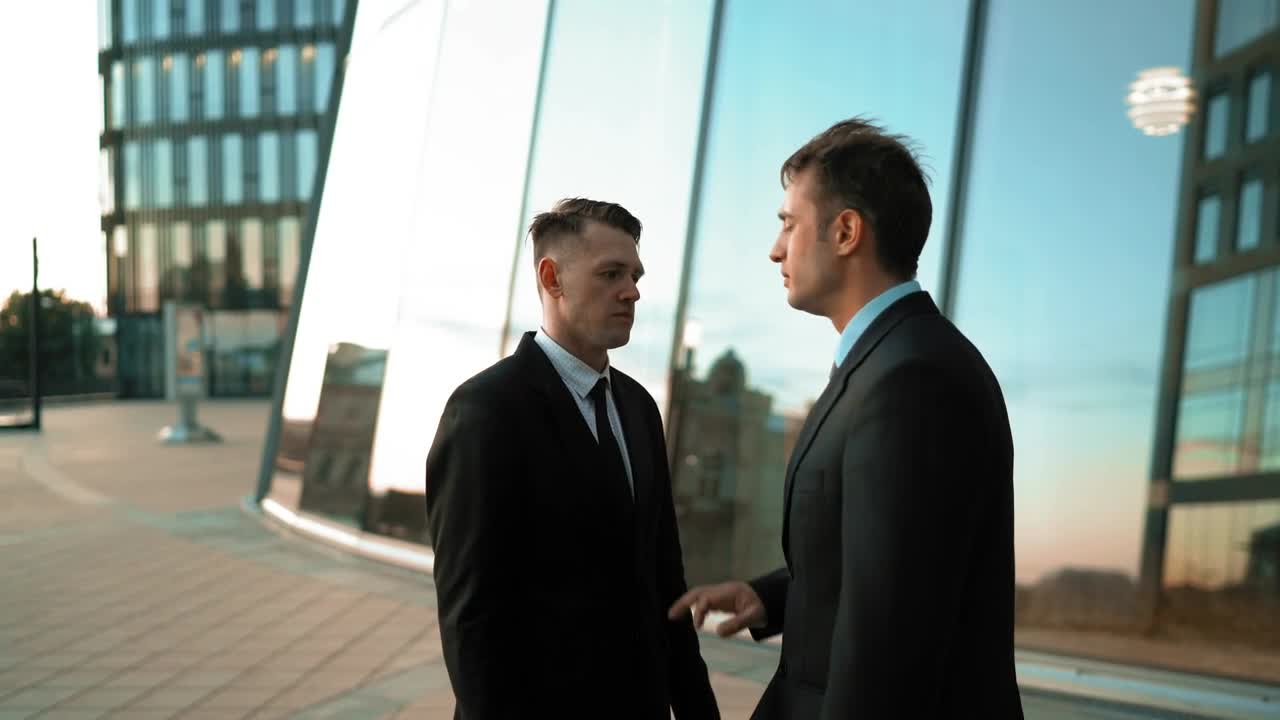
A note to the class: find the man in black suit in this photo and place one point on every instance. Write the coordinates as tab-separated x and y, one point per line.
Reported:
549	503
897	595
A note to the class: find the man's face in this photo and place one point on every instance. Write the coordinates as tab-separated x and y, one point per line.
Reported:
598	278
803	249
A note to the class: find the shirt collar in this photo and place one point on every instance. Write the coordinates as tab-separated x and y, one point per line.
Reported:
862	319
579	376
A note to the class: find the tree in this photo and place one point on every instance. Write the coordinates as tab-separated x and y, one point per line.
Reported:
68	340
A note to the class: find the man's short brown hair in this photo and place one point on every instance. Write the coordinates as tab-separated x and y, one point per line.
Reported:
859	166
565	222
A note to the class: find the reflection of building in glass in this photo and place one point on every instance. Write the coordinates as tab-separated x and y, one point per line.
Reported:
209	147
728	471
1263	571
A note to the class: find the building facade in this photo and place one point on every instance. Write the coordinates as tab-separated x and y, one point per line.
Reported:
1122	286
212	117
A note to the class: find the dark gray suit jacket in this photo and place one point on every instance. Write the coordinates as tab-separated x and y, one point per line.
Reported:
897	595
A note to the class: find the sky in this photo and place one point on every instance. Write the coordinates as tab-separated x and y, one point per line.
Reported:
49	147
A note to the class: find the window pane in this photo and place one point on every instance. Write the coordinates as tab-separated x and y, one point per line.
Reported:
269	166
287	80
159	19
304	13
1249	222
232	170
132	175
214	85
1218	325
1215	132
1207	223
163	173
306	150
1241	21
182	256
104	24
290	247
129	18
119	102
106	180
1270	455
230	19
324	75
266	12
144	90
195	17
251	253
339	11
250	88
198	170
1258	123
180	88
216	253
148	278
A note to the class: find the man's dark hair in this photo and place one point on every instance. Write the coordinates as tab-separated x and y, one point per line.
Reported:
565	222
859	166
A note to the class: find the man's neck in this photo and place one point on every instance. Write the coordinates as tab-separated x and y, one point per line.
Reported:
597	360
856	297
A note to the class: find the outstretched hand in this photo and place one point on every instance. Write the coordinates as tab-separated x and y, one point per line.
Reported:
735	598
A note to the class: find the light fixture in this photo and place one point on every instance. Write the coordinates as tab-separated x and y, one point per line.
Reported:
1161	101
200	60
168	63
308	52
235	57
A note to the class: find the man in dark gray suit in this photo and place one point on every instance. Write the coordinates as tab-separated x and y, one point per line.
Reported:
897	594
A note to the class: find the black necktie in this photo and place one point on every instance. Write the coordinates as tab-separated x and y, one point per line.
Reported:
833	371
608	443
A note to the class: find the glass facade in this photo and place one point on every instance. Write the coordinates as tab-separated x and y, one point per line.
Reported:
1125	288
208	151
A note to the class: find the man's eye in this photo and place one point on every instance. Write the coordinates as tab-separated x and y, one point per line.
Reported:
611	274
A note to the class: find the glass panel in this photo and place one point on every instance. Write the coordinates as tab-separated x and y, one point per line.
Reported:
132	175
1075	342
216	252
287	80
232	170
304	13
269	166
148	278
106	180
144	90
306	149
339	11
195	17
1210	428
250	87
1216	120
162	178
290	246
484	93
182	256
104	24
198	170
160	19
1270	455
1207	224
1257	123
266	12
251	253
1241	21
324	75
214	85
131	31
179	76
119	101
1249	220
230	19
398	51
1218	324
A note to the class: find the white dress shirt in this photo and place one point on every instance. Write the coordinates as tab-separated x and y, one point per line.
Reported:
580	378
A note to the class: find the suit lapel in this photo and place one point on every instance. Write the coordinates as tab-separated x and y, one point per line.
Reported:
579	443
638	445
892	315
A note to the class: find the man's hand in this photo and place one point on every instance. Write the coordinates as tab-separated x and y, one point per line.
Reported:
736	598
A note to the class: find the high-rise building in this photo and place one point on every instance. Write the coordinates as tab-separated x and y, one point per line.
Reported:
212	118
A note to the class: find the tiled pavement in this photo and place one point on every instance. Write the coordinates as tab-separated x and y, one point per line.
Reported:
134	585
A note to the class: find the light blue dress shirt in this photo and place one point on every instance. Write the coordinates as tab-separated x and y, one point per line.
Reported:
862	319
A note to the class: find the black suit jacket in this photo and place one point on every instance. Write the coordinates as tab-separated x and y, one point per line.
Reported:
553	584
897	595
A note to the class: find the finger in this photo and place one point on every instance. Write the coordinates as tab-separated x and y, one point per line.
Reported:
733	625
682	605
699	612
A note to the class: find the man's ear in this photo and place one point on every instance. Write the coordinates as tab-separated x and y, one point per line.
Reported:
549	277
851	230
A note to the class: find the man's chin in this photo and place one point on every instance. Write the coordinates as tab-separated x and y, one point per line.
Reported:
617	340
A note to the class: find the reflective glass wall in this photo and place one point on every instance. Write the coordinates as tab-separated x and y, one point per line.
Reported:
1122	285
